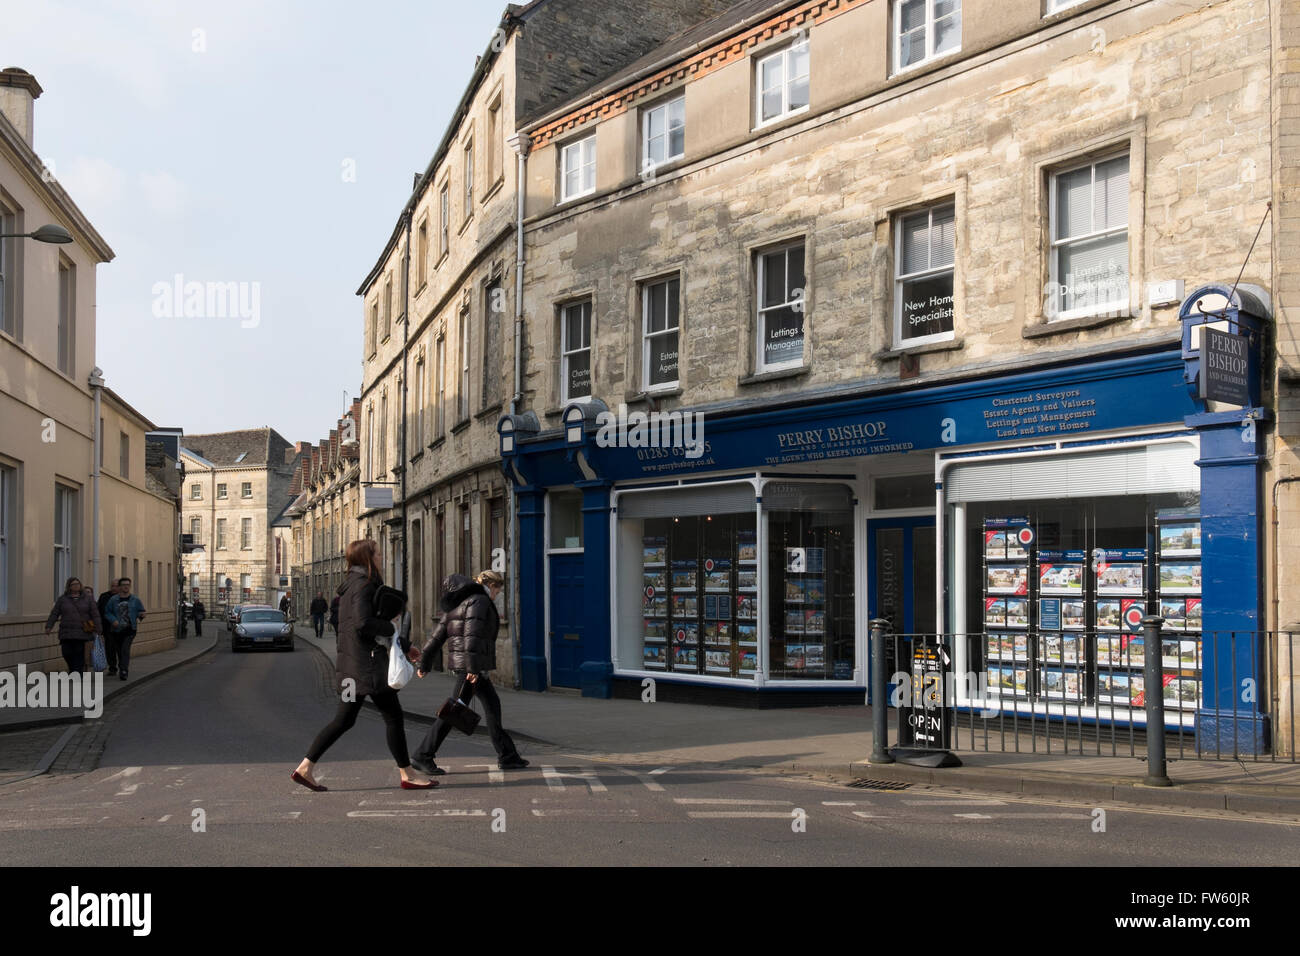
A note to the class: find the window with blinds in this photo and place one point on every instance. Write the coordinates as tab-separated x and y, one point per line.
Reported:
923	276
1089	228
1146	470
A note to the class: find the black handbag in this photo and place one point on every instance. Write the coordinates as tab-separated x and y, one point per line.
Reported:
459	714
389	602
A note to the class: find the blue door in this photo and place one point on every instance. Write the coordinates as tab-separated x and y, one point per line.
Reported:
567	633
901	568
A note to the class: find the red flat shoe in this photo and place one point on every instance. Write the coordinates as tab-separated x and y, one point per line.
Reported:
408	785
296	777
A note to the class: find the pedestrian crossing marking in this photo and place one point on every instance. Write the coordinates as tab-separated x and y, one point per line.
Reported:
554	781
721	801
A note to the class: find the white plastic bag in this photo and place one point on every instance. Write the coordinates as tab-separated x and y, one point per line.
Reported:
400	670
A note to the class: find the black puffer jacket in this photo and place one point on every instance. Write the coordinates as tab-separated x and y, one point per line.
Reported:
468	624
360	657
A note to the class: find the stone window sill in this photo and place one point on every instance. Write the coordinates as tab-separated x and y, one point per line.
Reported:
763	377
1072	325
952	345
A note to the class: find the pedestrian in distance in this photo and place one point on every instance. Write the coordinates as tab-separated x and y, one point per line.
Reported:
318	609
285	604
125	614
106	597
334	615
185	621
362	665
200	612
78	618
468	626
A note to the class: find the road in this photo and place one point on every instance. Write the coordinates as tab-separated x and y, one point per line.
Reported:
195	765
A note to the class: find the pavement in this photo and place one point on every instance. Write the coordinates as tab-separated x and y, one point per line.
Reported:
825	741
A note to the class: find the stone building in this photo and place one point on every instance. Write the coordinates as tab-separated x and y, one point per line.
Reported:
236	486
323	515
51	478
440	305
930	276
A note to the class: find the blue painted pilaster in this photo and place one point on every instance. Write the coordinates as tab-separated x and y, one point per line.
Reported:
532	587
598	668
1232	654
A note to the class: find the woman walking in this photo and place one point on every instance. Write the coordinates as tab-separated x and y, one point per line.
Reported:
362	665
79	622
468	625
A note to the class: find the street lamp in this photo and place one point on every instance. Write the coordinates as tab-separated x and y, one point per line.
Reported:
46	233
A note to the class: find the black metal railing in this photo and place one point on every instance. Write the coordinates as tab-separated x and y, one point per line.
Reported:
1223	695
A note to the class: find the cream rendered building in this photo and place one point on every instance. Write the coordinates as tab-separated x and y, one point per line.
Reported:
48	385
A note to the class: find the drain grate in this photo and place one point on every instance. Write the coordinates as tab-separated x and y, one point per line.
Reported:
885	786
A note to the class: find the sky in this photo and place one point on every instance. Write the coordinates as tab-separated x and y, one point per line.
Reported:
266	143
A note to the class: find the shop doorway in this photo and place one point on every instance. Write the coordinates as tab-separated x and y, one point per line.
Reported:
567	631
902	575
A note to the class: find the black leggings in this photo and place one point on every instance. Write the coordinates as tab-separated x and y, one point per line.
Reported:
388	704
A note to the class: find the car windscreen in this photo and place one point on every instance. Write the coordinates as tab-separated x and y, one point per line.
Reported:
261	617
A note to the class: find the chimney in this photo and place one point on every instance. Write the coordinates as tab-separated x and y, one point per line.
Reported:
18	92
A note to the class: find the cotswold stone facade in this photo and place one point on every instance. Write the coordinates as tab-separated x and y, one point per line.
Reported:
440	306
1183	93
844	208
236	485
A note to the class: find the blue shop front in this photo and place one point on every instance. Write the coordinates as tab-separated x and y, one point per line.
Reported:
1033	517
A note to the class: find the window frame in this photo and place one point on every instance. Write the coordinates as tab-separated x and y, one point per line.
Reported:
196	486
245	534
221	534
1053	7
565	151
444	221
462	377
646	335
64	539
928	273
787	81
417	423
124	455
196	527
467	156
221	491
566	352
761	366
67	316
896	36
245	489
422	252
8	492
647	163
440	371
1054	313
10	269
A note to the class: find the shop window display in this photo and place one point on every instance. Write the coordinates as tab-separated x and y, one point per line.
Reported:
1057	593
810	578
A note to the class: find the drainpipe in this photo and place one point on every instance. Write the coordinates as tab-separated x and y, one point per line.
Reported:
406	335
96	386
520	143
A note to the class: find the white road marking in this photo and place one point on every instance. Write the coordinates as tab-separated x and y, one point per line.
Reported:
128	772
738	815
649	784
733	803
844	803
175	768
866	816
659	771
294	814
955	803
42	824
164	819
426	802
580	812
586	776
496	776
1024	816
445	812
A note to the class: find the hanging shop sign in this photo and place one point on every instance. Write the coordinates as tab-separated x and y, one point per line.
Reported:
1226	367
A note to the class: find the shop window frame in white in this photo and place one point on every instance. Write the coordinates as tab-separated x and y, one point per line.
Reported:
795	71
928	30
671	296
567	351
1053	7
578	159
929	271
1119	306
791	301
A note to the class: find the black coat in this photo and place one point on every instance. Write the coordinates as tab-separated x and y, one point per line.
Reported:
468	625
360	657
334	612
318	606
70	612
